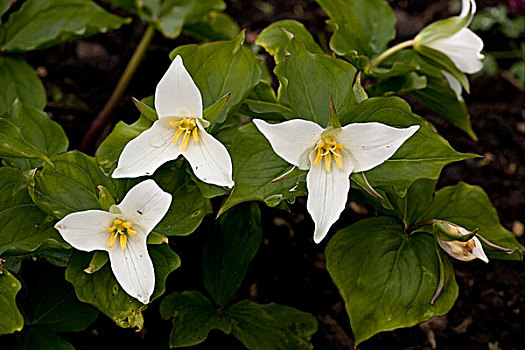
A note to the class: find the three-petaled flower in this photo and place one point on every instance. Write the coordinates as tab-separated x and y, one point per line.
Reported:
122	232
331	155
179	130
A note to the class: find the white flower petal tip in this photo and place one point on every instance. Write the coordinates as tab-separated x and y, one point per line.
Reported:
176	94
123	235
209	159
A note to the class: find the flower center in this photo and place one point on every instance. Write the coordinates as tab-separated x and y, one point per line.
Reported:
327	147
120	228
187	128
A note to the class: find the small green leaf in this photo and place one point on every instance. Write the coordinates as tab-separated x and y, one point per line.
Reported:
271	326
386	278
11	320
213	26
228	251
41	24
105	198
308	81
216	109
188	206
193	318
25	228
364	26
220	68
42	338
4	6
102	290
262	103
359	92
19	80
274	39
146	110
156	238
399	86
255	165
99	259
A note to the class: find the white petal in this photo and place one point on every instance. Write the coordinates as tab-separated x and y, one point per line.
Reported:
454	84
86	230
176	94
371	144
148	151
145	205
463	48
209	159
327	193
465	7
133	268
292	140
478	250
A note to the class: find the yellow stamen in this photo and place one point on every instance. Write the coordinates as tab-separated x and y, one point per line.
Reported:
187	127
328	147
120	229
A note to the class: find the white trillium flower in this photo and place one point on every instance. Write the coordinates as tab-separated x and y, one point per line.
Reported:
331	155
465	251
179	130
122	232
463	47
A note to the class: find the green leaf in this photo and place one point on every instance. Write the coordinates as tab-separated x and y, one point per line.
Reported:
19	80
386	278
364	26
53	304
193	318
25	228
470	207
188	206
216	109
274	39
99	259
72	186
213	26
41	24
255	165
271	326
102	290
13	145
422	156
41	338
36	128
11	320
442	29
145	109
228	251
262	103
309	81
220	68
170	16
4	6
399	85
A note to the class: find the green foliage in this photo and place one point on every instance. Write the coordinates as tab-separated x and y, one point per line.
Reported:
213	26
11	319
498	16
229	250
40	24
386	278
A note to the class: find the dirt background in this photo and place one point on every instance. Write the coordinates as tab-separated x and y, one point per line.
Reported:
289	268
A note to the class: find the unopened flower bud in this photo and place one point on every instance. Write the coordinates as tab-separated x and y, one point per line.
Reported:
448	231
458	242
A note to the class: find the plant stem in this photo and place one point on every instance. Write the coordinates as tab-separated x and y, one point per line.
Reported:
415	226
391	51
121	87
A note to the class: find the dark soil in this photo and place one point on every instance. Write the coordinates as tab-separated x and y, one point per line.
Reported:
289	268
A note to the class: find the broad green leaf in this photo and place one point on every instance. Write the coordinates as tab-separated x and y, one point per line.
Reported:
309	80
255	165
274	39
170	16
24	227
72	186
19	80
470	207
262	103
422	156
40	24
364	26
228	251
220	68
194	317
53	304
4	6
102	290
438	95
399	85
386	278
41	338
36	128
13	145
188	206
11	320
213	26
271	326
